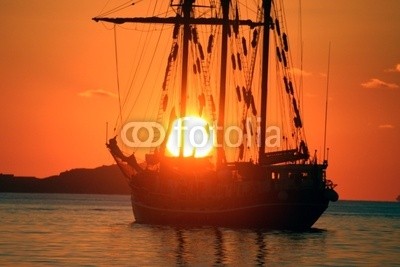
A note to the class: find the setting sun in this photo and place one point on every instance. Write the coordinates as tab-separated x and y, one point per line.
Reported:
196	135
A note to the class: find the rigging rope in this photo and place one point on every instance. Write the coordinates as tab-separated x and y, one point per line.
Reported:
146	75
286	68
118	8
138	65
117	69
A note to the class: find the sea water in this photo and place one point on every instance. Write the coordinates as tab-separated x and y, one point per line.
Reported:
99	230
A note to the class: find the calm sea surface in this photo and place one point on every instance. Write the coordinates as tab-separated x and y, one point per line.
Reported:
98	230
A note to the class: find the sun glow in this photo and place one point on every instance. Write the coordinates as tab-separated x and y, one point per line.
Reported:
194	133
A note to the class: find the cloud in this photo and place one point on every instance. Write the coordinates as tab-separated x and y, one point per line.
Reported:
298	72
97	92
386	126
395	69
376	83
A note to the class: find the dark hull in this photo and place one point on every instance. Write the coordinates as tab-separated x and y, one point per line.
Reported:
244	196
294	216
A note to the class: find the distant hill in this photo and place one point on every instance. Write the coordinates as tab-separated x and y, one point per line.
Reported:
101	180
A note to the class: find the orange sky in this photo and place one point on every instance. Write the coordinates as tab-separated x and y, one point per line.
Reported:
58	89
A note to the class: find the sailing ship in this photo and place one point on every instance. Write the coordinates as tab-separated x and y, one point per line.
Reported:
227	145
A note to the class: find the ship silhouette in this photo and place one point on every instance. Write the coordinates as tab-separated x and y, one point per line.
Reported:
228	75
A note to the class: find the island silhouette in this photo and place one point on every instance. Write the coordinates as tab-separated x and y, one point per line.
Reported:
100	180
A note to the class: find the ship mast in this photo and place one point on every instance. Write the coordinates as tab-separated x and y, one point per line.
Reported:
264	79
224	51
187	8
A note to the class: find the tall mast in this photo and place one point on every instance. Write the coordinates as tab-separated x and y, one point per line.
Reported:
222	89
187	9
327	99
264	79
